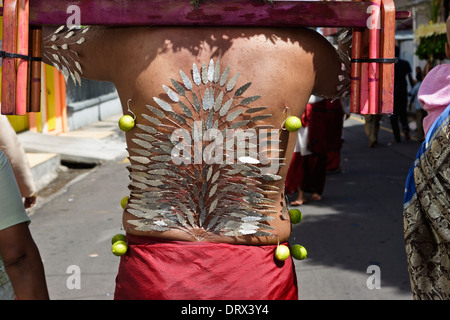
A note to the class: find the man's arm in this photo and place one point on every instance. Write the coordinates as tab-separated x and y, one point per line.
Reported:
23	263
332	69
11	146
412	82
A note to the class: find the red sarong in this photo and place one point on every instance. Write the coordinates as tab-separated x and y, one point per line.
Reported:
158	269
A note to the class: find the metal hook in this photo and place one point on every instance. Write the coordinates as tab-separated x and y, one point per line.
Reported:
282	124
129	110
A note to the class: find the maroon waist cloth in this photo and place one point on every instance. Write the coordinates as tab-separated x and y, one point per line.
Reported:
158	269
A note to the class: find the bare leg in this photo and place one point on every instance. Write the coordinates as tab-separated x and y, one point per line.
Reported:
315	196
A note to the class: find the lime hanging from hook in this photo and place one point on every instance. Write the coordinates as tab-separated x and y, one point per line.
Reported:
293	123
282	252
127	122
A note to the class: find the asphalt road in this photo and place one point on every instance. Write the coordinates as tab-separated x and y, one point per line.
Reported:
73	231
356	226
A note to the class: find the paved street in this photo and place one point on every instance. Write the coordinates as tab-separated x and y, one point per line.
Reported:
75	229
357	224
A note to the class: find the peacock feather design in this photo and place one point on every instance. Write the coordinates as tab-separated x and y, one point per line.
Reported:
203	160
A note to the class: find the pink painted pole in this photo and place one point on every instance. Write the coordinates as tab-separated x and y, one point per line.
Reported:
22	48
9	64
364	89
355	75
387	50
374	43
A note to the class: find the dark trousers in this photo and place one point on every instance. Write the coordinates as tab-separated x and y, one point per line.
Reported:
401	115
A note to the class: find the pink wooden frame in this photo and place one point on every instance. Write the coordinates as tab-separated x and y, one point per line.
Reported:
211	12
375	89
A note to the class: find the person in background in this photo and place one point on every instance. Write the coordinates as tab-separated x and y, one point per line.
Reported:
420	113
334	155
401	72
322	122
371	128
426	208
21	270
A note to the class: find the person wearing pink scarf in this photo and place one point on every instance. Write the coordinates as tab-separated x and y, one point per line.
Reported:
434	93
426	205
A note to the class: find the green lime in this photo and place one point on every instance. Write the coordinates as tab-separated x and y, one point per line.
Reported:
119	248
118	237
126	123
295	215
282	252
299	252
124	202
293	123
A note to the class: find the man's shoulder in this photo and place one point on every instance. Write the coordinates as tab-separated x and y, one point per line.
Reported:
404	63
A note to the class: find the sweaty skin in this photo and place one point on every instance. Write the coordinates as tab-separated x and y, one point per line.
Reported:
285	67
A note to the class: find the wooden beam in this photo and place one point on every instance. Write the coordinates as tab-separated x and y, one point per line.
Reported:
387	51
35	74
211	13
22	64
242	13
374	53
9	74
355	73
